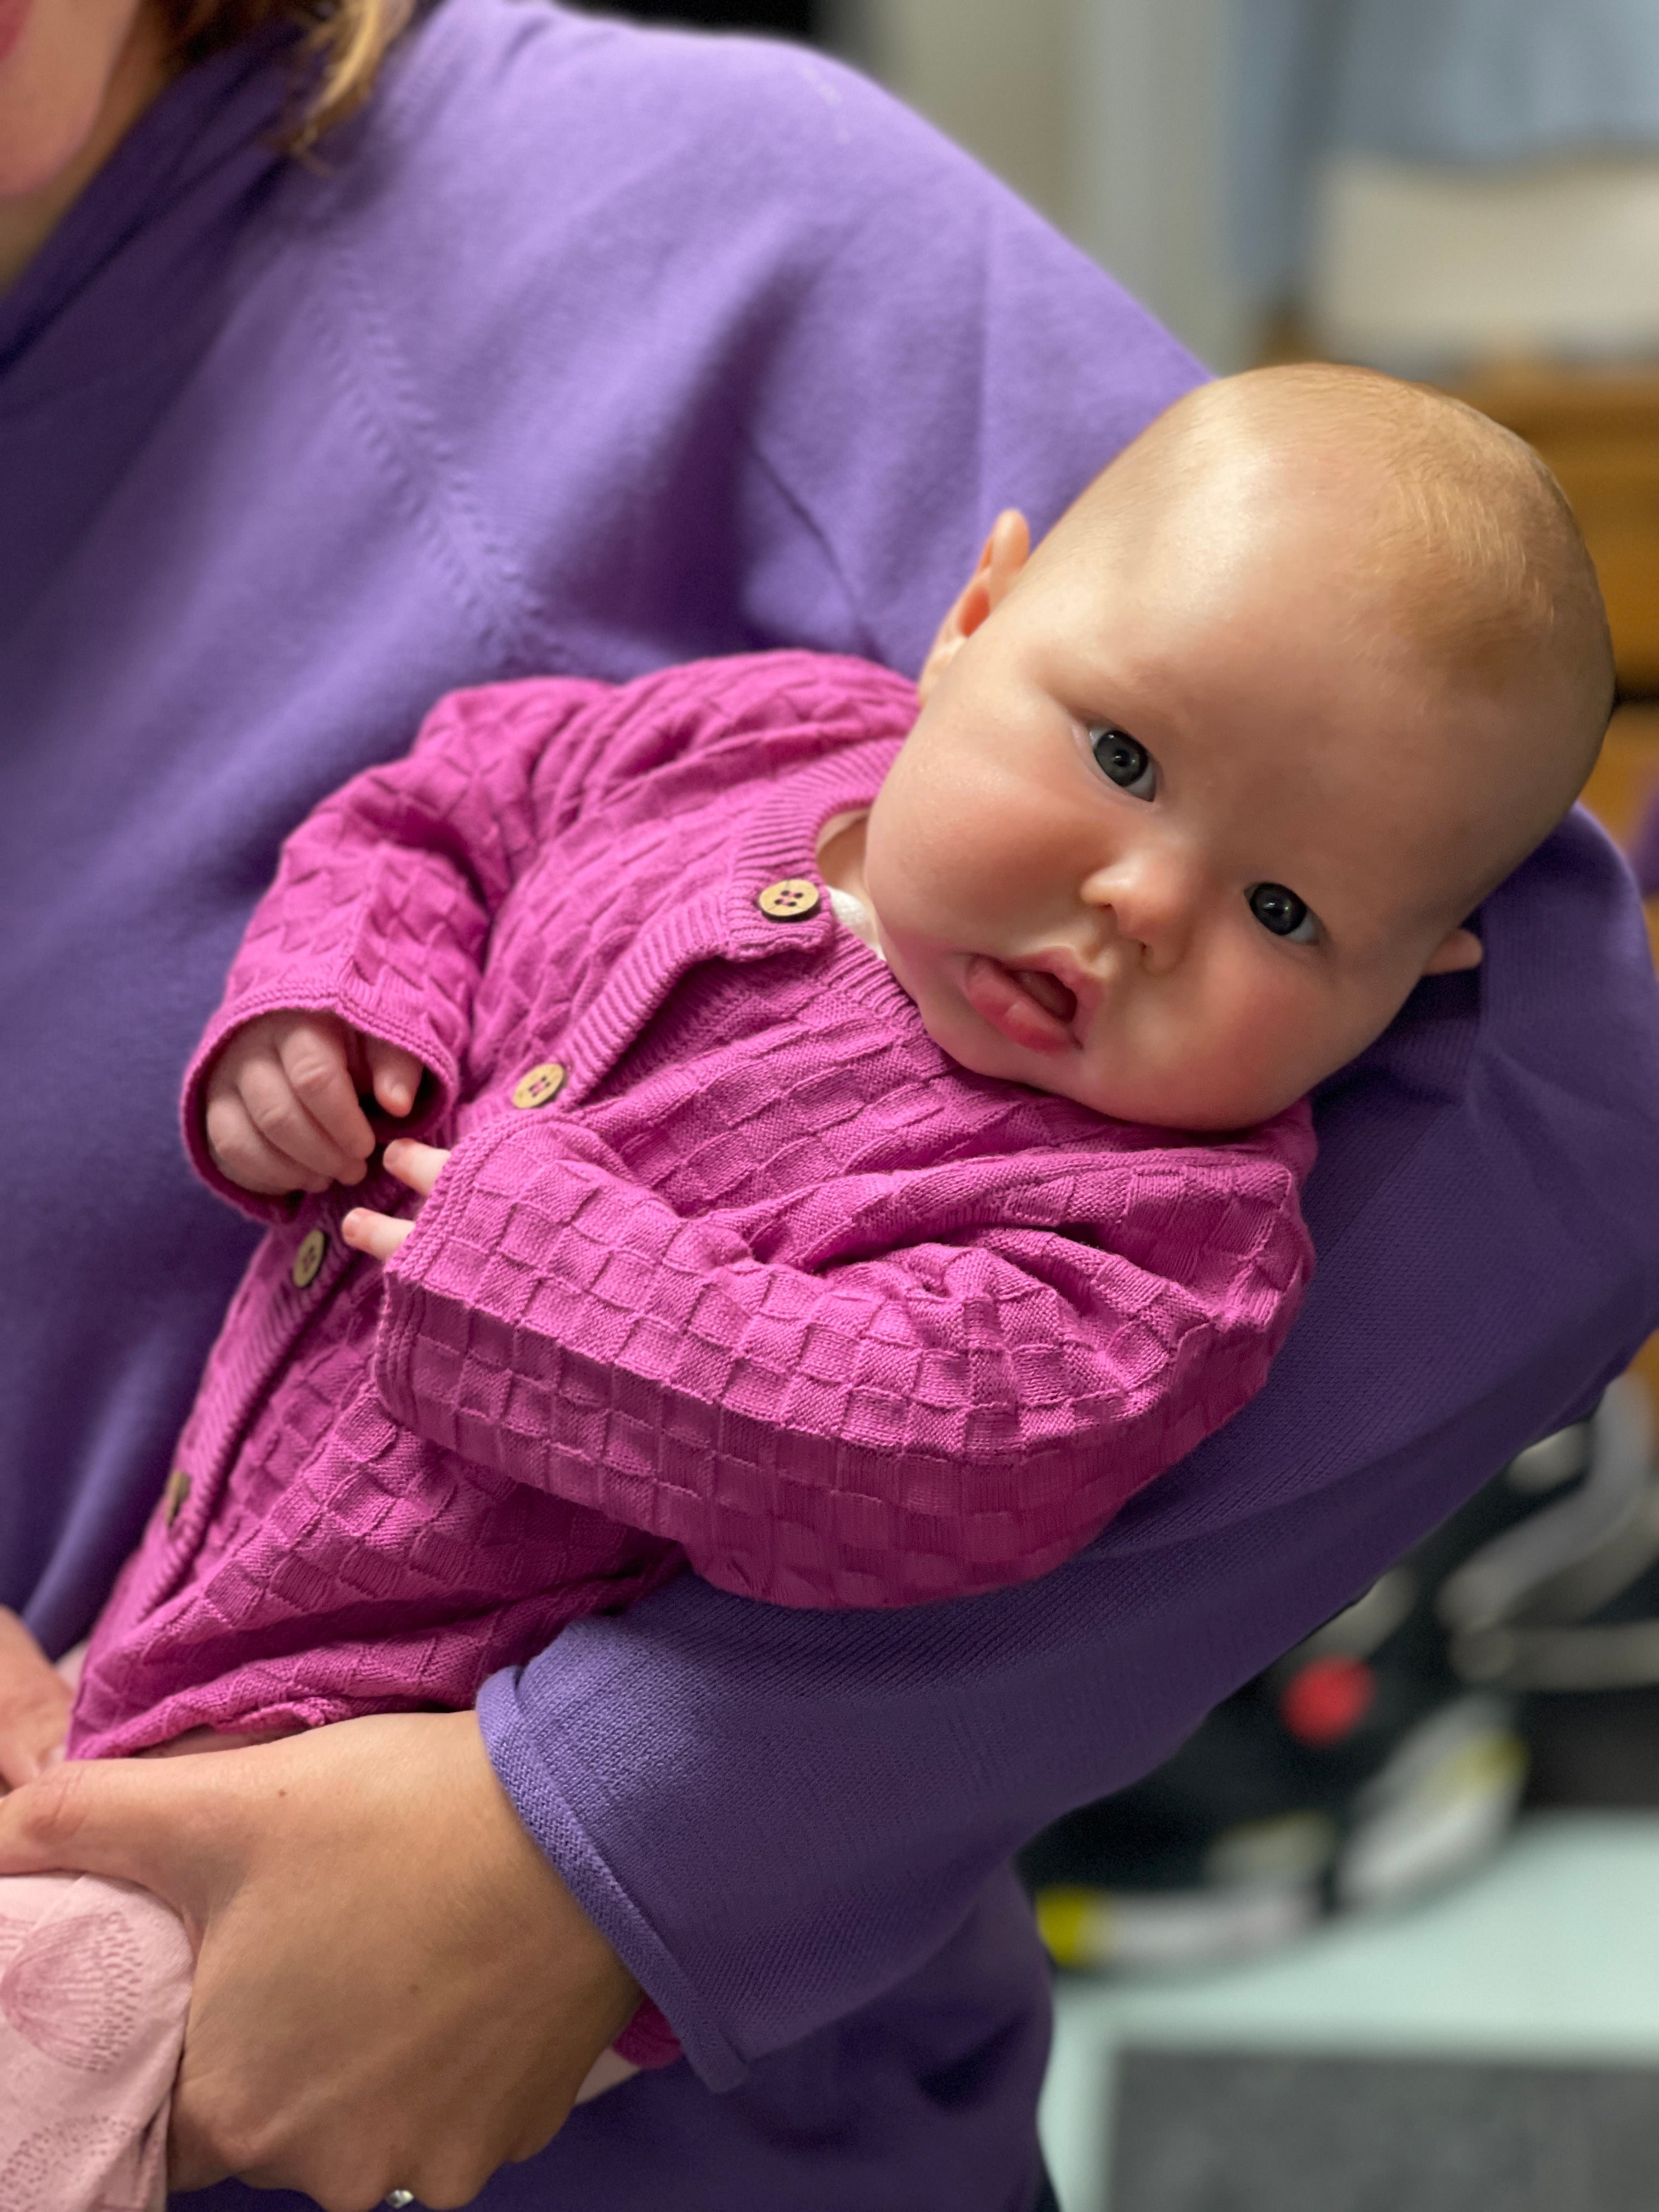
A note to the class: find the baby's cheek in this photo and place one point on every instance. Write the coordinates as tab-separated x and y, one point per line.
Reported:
1236	1054
1287	1033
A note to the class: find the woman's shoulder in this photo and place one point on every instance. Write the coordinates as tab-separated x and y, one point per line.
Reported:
690	342
524	92
517	146
610	182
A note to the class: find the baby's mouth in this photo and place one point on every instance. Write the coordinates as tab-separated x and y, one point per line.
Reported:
1048	991
1028	1005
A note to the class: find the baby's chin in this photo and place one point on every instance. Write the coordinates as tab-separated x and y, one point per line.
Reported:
1176	1108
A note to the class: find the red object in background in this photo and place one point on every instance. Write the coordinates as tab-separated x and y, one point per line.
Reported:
1327	1699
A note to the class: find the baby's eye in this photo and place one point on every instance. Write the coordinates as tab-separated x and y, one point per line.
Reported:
1283	913
1124	759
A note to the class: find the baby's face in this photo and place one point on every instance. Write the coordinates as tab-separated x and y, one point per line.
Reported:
1160	843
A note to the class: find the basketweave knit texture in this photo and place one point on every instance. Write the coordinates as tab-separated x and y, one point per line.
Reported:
770	1285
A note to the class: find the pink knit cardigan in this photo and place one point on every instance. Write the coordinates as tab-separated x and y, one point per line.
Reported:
768	1284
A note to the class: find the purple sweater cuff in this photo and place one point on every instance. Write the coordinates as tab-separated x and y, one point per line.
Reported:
543	1807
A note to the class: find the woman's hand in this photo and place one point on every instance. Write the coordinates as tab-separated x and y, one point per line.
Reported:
393	1990
34	1706
381	1234
283	1109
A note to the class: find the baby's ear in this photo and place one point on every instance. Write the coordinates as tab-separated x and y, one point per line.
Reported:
1461	949
1007	550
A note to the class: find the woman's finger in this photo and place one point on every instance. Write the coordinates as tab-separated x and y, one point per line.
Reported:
378	1234
117	1817
394	1075
34	1705
416	1164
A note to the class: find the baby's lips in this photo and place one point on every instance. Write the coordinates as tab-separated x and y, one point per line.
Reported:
1007	998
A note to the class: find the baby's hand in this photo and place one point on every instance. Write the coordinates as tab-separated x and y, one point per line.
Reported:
34	1706
379	1235
282	1111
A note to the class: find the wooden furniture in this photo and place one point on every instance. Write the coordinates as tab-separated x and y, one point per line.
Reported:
1599	431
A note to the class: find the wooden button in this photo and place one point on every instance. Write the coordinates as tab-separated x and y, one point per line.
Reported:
541	1086
791	900
308	1260
173	1496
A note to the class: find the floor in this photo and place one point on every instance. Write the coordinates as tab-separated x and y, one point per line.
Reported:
1494	2049
1532	1986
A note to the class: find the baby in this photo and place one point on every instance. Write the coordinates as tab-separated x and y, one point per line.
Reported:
870	1140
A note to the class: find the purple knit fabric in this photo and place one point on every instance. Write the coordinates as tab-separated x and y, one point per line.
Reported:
769	1279
588	350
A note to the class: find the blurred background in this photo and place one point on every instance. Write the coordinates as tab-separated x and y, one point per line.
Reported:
1387	1930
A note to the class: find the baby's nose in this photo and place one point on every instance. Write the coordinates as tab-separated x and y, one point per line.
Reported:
1152	898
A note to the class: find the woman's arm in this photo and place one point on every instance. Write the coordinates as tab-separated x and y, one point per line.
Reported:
35	1705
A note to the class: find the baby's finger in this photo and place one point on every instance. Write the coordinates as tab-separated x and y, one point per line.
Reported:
246	1158
378	1234
281	1118
418	1166
313	1062
394	1075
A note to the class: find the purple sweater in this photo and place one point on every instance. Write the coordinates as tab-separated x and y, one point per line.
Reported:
587	350
730	1263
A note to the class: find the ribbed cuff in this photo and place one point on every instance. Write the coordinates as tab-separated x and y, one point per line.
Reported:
391	1023
531	1783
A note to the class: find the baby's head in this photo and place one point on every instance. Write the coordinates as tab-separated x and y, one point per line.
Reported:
1201	789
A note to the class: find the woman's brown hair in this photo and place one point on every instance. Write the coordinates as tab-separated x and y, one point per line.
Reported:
345	42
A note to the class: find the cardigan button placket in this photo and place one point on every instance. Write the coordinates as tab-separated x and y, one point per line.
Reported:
308	1260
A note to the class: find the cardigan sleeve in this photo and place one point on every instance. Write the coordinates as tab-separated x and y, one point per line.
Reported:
384	896
982	1362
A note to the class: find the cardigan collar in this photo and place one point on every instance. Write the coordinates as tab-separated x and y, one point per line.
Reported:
776	844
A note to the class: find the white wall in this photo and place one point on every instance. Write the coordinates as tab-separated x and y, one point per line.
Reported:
1145	127
1425	271
1107	114
991	73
